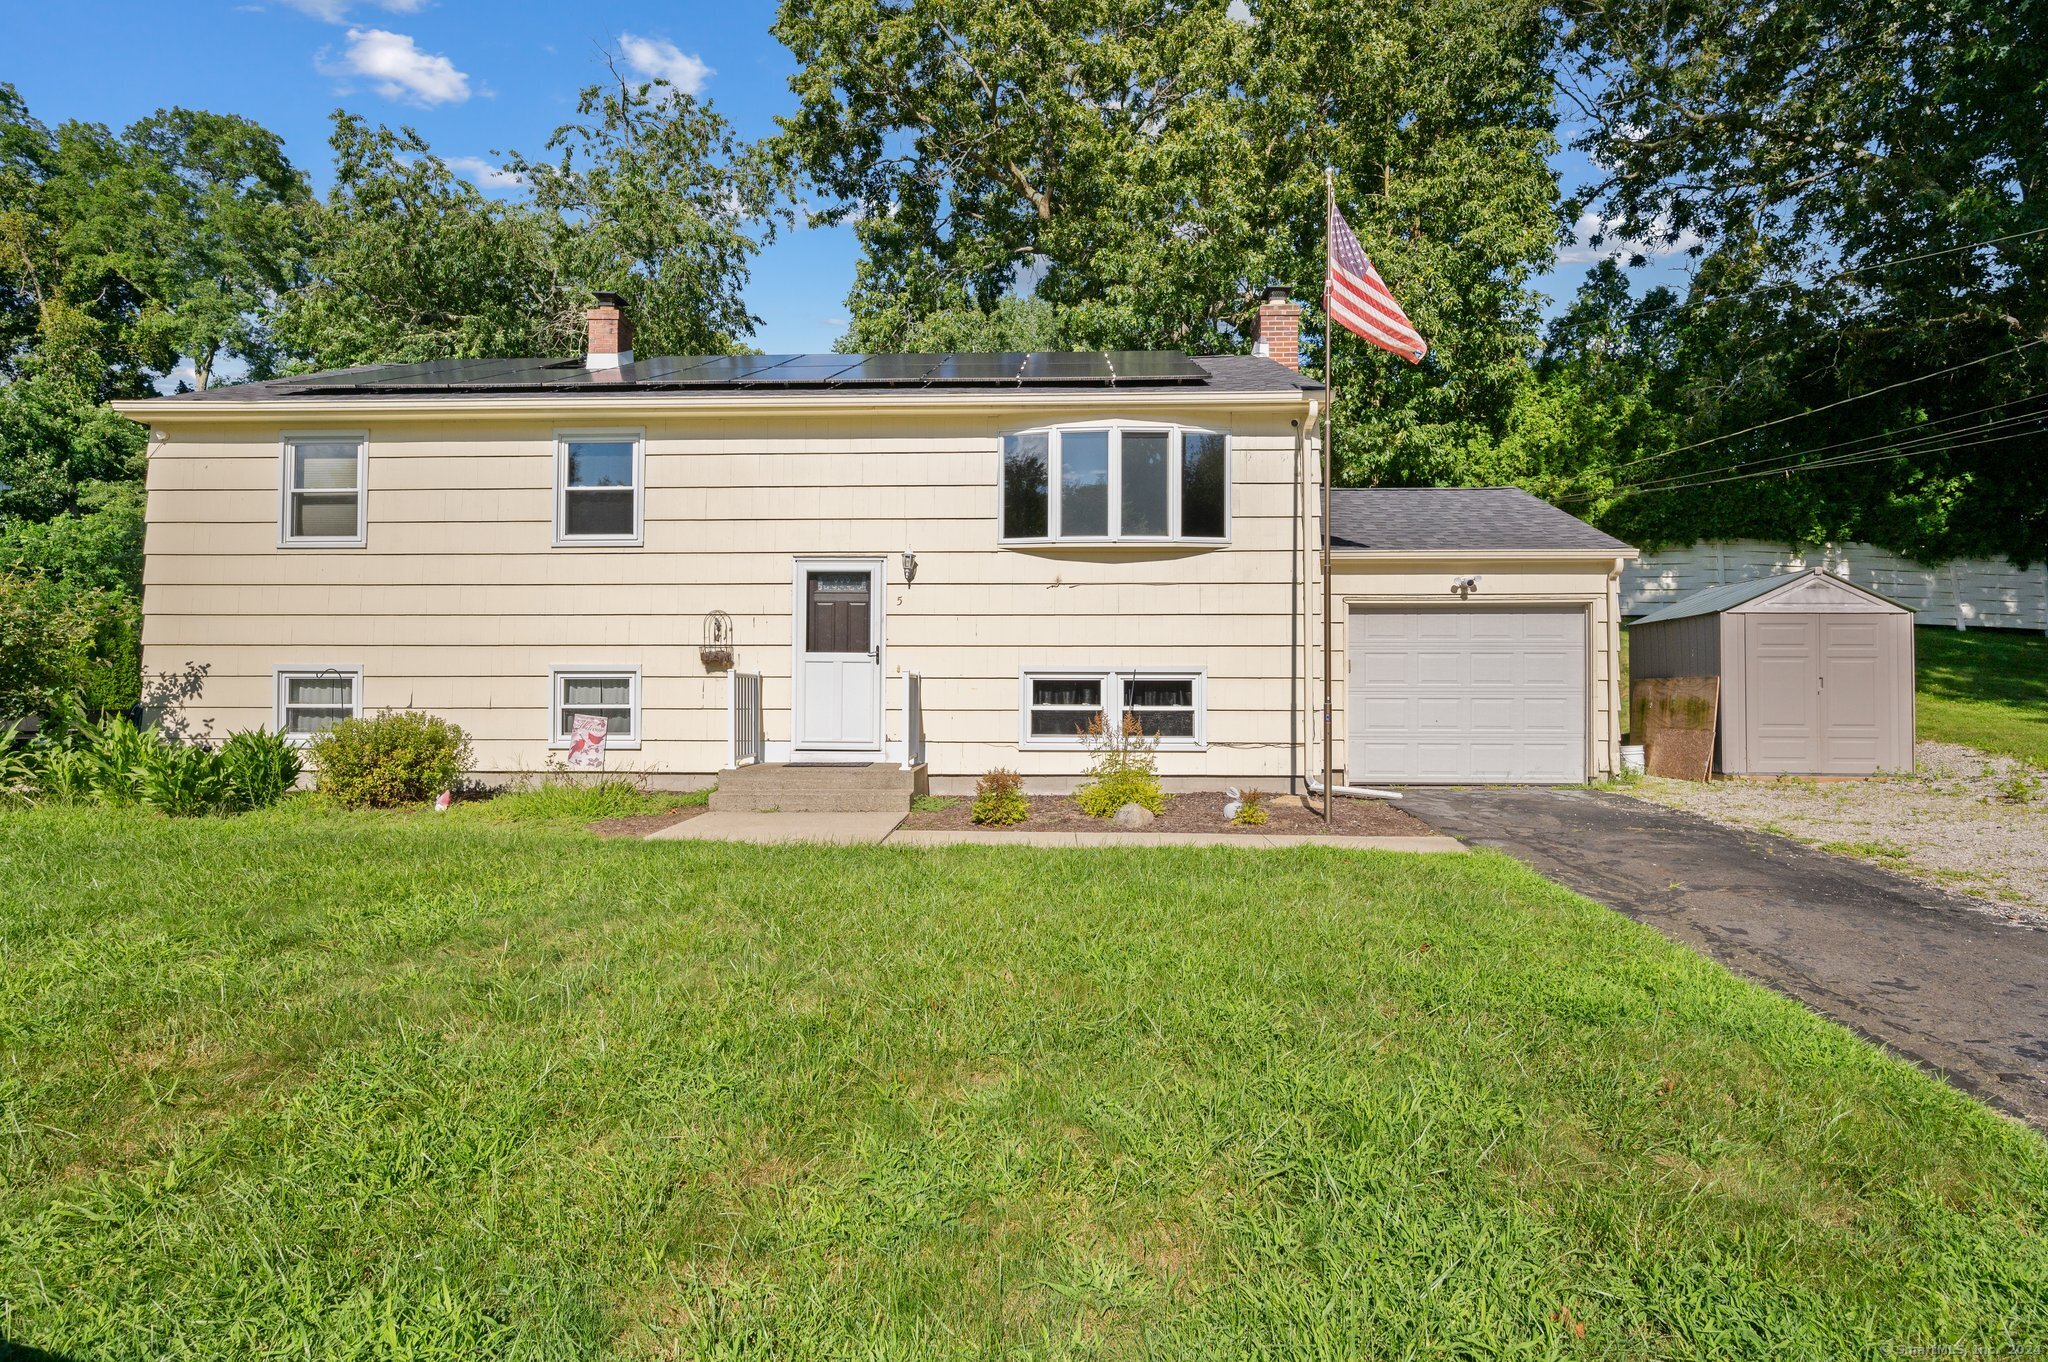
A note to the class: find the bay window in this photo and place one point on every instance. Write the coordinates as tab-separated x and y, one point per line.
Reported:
1121	482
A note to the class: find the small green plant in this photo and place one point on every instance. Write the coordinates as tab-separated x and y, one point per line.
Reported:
17	768
185	782
1123	769
999	799
1251	809
929	803
63	775
2021	785
260	766
393	758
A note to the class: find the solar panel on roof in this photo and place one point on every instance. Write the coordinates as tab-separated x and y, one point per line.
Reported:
1089	367
887	371
1154	366
1000	367
806	369
660	367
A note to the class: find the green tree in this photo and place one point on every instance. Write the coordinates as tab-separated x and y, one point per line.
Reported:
1155	162
651	196
1865	184
409	262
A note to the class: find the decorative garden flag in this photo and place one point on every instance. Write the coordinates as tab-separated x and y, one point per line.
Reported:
586	741
1360	301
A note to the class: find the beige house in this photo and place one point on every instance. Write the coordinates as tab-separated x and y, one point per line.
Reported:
942	563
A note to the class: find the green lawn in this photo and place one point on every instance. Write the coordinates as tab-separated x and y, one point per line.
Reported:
311	1085
1987	688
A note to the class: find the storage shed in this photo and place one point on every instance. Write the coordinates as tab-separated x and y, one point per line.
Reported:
1816	673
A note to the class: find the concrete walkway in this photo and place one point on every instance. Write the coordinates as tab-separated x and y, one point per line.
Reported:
849	829
1939	978
725	825
1258	840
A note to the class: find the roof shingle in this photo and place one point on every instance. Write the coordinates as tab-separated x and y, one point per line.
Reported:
1456	519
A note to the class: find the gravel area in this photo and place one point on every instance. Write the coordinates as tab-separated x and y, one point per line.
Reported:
1194	812
1951	823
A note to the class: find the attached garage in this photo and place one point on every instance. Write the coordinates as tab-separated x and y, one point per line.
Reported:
1481	638
1816	673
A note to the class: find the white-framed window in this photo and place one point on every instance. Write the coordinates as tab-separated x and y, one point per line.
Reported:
1115	482
1059	703
311	700
600	487
322	478
610	693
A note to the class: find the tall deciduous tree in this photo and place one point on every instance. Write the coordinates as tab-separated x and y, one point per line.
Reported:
1151	163
1866	181
653	197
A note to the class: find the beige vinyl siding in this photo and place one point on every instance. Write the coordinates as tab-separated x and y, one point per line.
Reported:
459	604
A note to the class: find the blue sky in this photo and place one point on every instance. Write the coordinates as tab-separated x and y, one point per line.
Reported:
473	77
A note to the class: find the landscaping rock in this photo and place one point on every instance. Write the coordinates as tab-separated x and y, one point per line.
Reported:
1133	816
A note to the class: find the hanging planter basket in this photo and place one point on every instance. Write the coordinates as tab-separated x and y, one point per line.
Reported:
716	650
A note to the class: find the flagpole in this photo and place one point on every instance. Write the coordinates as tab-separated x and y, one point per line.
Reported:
1329	404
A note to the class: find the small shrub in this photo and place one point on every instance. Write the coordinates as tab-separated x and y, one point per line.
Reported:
999	799
390	759
1123	769
1251	809
185	782
2021	785
63	775
260	767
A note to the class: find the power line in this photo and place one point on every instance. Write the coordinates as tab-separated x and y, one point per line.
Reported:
1916	436
1830	406
1850	460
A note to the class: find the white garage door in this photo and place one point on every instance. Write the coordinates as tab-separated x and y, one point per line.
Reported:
1468	694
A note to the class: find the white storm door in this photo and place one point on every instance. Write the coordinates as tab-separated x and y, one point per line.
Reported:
838	673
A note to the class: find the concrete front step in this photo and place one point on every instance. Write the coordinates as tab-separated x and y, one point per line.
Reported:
881	787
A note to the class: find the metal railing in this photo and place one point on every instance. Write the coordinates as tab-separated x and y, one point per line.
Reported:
746	742
913	720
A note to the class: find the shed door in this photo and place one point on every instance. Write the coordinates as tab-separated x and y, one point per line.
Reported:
1781	686
1453	695
1852	693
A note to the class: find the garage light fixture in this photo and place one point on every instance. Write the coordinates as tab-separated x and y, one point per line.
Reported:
1463	587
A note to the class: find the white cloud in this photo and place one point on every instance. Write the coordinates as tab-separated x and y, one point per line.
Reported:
660	59
335	11
1613	246
397	69
485	174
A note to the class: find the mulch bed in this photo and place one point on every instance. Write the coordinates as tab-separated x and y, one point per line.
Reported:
640	824
1196	812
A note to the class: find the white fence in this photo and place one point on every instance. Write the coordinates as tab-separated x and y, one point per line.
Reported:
1970	593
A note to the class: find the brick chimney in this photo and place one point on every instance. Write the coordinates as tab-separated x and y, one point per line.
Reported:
611	333
1276	333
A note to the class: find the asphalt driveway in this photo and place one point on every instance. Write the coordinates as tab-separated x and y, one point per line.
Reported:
1933	976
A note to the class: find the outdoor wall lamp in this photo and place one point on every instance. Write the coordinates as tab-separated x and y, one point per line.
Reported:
1463	587
909	566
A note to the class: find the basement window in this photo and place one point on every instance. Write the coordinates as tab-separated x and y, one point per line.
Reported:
311	700
608	693
1059	705
1115	483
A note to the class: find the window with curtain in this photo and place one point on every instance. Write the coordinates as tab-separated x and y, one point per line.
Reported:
611	694
1061	703
313	700
1115	483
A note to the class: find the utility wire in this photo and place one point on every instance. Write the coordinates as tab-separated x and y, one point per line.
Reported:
1916	435
1830	406
1850	460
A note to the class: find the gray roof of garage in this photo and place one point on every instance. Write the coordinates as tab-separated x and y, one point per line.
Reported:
1456	520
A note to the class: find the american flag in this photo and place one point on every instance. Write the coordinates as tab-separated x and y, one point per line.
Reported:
1359	300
